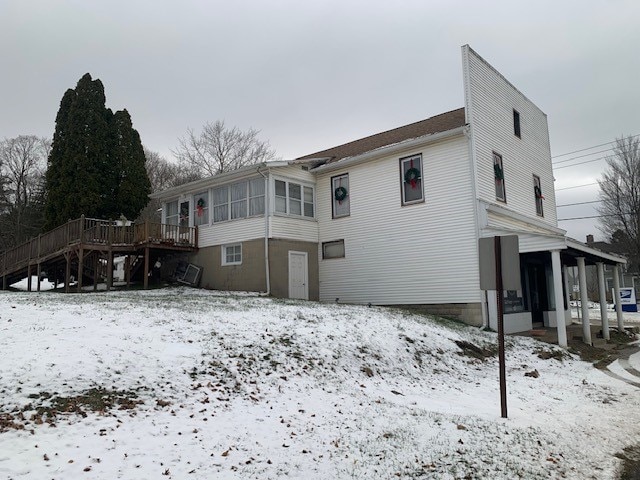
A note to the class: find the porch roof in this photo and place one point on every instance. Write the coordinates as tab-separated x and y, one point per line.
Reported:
591	255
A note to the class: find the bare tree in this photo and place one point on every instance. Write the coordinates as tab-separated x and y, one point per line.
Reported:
22	164
620	195
218	148
162	174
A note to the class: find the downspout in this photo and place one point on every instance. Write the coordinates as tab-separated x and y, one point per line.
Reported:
266	230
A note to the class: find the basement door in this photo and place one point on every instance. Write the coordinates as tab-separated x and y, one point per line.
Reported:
298	275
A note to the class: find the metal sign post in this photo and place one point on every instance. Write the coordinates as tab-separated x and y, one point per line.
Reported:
500	308
496	253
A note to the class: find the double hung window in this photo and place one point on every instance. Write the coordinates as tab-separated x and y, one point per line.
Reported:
498	174
411	179
341	196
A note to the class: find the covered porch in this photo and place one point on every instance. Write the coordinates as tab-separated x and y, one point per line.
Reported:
544	300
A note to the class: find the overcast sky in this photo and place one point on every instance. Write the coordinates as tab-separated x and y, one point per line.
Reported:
315	74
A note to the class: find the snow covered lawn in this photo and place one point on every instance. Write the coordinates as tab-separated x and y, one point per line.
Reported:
185	383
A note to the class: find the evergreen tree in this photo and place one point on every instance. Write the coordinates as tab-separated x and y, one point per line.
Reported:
96	166
132	182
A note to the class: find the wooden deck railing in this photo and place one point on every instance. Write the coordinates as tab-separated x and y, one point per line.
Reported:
91	231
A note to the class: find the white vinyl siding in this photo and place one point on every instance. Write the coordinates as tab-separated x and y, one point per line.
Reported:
490	101
398	255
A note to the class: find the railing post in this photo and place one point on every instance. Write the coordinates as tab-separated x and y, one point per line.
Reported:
195	243
146	231
81	229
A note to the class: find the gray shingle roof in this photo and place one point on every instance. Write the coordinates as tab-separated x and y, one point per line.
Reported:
439	123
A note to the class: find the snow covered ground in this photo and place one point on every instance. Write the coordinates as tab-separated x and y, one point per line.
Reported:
184	383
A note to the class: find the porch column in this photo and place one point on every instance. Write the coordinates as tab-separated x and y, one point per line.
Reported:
603	301
567	292
616	294
584	301
557	291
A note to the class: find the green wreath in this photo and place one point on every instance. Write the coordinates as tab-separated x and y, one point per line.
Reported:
340	194
200	203
412	176
497	172
538	192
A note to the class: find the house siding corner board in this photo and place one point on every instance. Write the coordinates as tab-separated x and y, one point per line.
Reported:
239	230
425	253
490	102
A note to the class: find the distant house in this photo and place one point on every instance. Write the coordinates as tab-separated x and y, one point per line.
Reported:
395	218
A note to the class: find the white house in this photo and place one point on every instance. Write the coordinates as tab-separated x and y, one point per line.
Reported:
395	218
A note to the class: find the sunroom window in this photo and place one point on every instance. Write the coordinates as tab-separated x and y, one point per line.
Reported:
294	199
201	208
238	200
171	213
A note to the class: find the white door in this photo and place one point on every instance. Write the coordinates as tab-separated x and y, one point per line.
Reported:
298	275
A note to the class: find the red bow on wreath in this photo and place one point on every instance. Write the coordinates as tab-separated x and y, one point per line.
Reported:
200	207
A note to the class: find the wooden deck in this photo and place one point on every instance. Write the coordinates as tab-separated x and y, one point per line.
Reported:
84	242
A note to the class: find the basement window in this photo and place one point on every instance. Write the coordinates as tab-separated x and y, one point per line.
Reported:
334	249
232	254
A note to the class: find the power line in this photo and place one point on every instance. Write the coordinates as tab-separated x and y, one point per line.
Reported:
577	186
578	203
582	156
580	163
590	148
592	216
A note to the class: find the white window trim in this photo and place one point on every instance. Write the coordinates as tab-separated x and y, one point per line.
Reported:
224	254
344	251
194	207
495	154
272	198
333	198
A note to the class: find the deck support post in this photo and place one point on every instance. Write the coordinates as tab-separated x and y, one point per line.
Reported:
109	269
80	266
39	273
146	268
96	266
29	277
67	273
127	266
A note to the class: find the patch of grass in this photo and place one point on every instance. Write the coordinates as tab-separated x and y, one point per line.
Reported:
546	354
481	353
